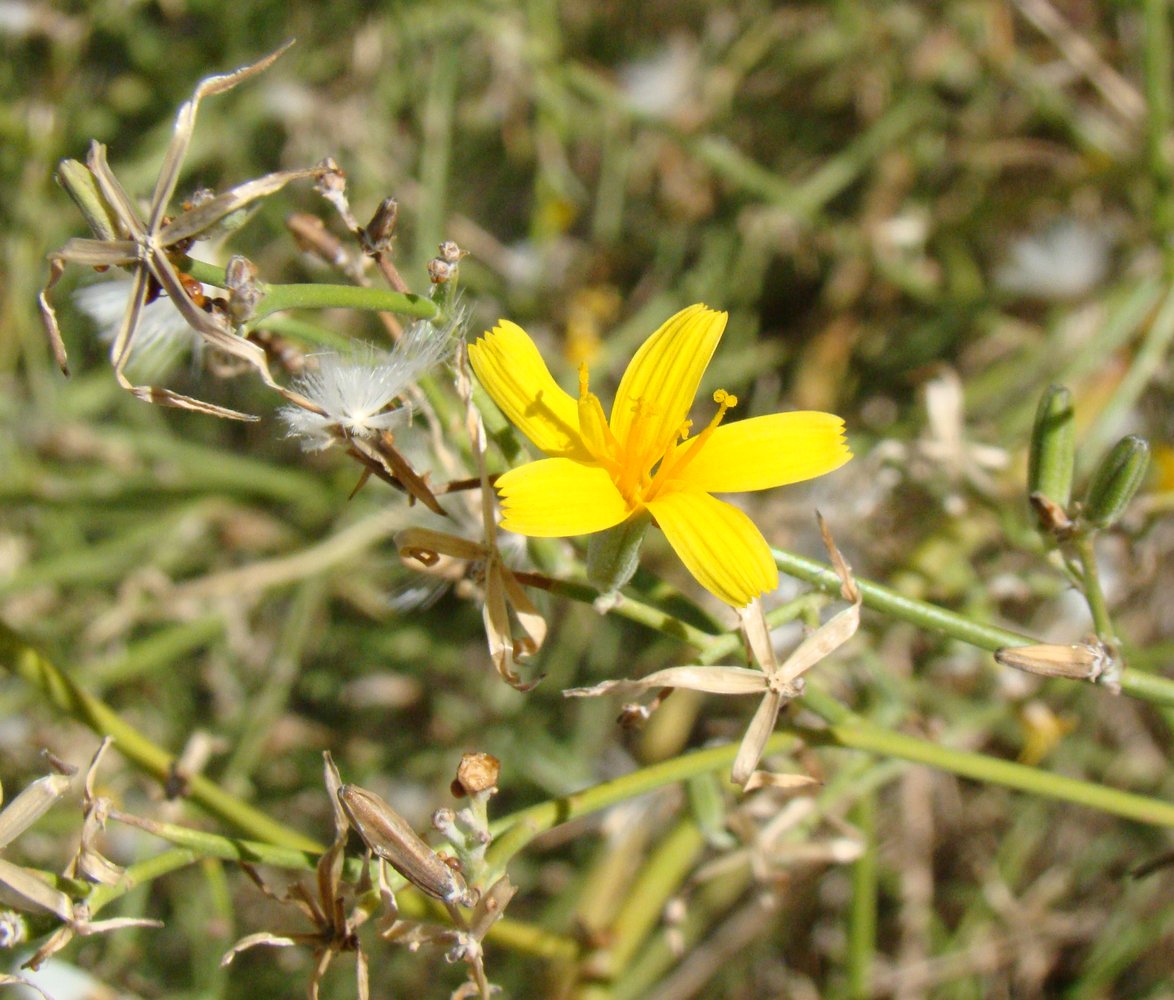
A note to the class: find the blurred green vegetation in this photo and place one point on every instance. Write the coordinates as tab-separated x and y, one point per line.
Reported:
918	214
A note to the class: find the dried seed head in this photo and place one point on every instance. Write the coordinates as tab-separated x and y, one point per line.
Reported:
450	253
444	267
358	395
329	177
477	772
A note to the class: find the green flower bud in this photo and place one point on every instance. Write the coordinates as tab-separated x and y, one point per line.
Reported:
1116	480
81	185
1053	447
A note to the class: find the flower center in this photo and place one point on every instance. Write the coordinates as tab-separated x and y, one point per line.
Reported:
637	476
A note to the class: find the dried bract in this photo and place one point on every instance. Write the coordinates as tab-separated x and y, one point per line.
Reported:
335	931
151	246
777	683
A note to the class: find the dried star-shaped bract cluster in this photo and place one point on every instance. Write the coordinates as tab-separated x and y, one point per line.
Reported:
22	889
149	246
392	841
335	930
395	844
777	683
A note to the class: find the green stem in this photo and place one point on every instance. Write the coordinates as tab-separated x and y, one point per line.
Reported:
140	873
1093	592
1138	684
278	298
1159	106
847	730
195	845
35	669
513	832
862	917
851	732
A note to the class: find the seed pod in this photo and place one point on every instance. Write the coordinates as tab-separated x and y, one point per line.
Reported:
1082	661
1053	447
389	837
1116	480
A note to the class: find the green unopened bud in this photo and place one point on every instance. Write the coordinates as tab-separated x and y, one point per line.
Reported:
1116	480
1053	447
613	555
82	187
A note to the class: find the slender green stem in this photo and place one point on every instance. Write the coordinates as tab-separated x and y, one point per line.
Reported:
195	845
1138	684
641	613
850	731
1093	591
862	916
1159	65
847	730
140	873
35	669
279	298
513	832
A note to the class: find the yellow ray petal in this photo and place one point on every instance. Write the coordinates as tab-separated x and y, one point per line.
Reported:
718	544
555	497
658	387
512	371
764	452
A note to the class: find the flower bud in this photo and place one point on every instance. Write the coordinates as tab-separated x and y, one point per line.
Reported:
80	184
1053	447
376	237
1116	480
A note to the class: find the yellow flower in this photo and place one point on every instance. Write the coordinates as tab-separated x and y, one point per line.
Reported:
602	472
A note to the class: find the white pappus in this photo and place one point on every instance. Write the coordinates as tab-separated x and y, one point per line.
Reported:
358	391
